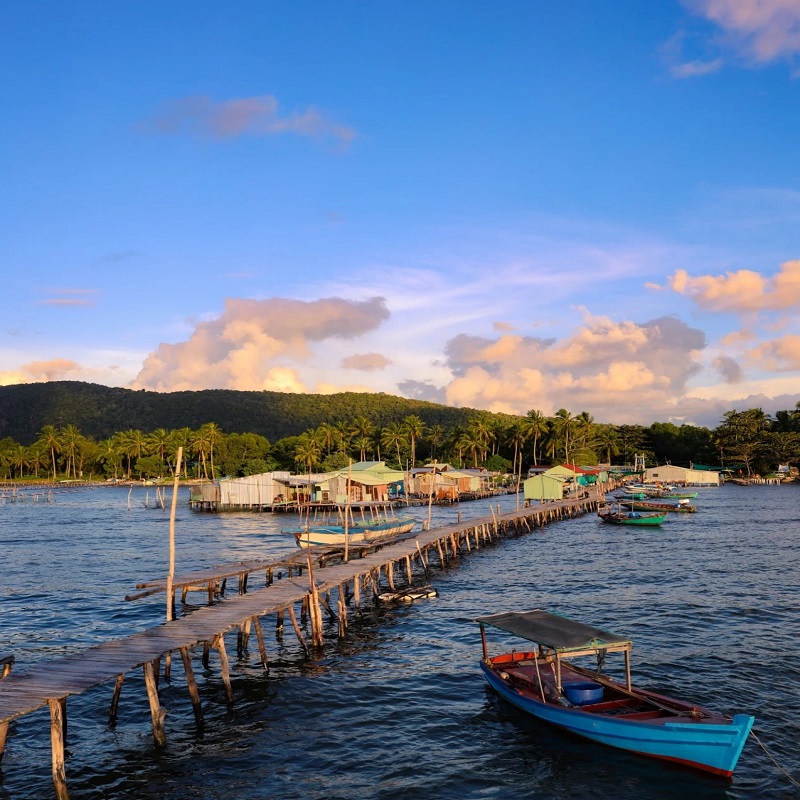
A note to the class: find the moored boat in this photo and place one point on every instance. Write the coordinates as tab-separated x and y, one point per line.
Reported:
621	516
355	534
682	506
589	704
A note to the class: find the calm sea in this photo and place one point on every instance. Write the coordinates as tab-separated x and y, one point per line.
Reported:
400	709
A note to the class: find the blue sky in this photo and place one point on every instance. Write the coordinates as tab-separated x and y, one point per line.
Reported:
497	205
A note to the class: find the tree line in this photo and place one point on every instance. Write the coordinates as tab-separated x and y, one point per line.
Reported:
747	441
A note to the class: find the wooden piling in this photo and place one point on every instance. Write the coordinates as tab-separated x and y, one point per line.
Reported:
57	741
224	667
261	646
112	714
157	713
194	694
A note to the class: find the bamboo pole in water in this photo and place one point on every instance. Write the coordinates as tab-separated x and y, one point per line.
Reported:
173	507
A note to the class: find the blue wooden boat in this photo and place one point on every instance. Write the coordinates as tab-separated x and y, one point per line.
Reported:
590	704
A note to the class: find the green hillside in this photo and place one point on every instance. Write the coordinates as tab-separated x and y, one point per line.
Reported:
101	411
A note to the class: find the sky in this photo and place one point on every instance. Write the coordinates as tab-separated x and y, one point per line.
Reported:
500	205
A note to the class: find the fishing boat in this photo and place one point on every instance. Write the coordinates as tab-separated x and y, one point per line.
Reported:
590	704
621	516
682	506
344	527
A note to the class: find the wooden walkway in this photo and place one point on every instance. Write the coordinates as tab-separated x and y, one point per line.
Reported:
50	683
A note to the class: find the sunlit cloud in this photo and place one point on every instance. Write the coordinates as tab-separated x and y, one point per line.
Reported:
200	115
743	290
760	30
70	297
40	372
366	362
258	344
598	367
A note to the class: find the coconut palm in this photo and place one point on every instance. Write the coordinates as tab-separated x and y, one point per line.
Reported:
393	436
158	442
50	439
435	437
414	428
534	426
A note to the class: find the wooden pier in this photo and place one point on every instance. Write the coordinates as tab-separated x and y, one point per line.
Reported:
317	581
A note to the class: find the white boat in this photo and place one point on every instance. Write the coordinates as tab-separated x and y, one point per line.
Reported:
379	523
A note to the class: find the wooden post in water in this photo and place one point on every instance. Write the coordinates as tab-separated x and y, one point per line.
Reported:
261	646
58	726
112	714
194	694
297	631
157	713
224	667
173	507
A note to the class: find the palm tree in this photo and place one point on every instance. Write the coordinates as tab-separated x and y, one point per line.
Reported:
51	440
213	435
308	451
564	422
534	425
71	440
328	434
19	457
200	445
471	442
393	436
361	427
132	444
608	442
436	434
158	443
108	453
516	437
414	428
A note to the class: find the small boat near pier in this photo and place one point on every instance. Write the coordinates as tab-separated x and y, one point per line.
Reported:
589	704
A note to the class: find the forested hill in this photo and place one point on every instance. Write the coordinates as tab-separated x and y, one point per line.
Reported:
101	411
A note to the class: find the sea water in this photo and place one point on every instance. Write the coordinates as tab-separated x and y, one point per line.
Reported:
399	709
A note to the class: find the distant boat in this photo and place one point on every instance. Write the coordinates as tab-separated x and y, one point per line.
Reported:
620	516
589	704
653	505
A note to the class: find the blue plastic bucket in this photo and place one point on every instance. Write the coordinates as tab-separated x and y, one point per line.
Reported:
584	692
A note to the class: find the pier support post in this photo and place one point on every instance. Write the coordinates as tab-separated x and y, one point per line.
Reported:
58	724
157	713
224	667
297	630
194	694
261	646
112	714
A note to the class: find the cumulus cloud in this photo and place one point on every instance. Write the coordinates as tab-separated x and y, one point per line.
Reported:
252	116
422	390
601	367
781	355
761	30
729	369
257	344
367	362
743	290
40	372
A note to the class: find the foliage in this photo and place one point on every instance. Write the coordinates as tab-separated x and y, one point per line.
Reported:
231	440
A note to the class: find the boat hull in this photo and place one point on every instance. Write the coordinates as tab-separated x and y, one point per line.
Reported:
335	535
713	747
646	520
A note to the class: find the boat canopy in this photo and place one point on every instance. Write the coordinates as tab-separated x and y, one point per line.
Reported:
555	632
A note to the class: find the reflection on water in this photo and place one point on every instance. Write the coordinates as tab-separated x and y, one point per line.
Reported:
400	710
